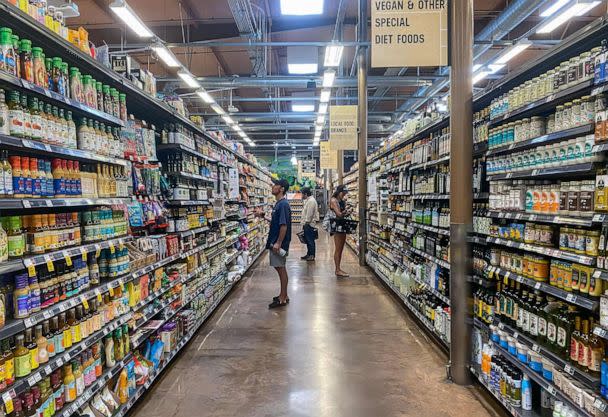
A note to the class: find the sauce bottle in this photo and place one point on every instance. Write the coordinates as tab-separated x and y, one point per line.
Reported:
27	176
5	128
58	335
3	245
8	52
36	181
31	345
7	171
48	333
15	113
25	60
41	341
69	383
71	130
67	331
15	40
57	388
16	241
9	363
109	351
78	377
23	366
36	119
27	117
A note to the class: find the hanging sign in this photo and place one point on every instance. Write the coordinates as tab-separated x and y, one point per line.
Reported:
233	183
329	158
343	127
409	33
309	168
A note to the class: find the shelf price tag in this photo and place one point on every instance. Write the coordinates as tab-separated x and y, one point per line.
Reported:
49	263
600	405
26	204
97	250
571	298
121	284
48	203
8	402
515	335
551	390
31	268
111	290
83	253
85	302
536	348
98	294
569	369
68	259
112	248
537	286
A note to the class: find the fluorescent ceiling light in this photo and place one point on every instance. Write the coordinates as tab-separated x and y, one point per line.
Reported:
328	78
301	7
242	134
577	9
237	128
480	76
333	54
166	56
512	52
325	96
188	79
228	119
494	68
321	119
251	143
322	108
550	11
205	96
476	67
303	68
127	15
218	109
302	107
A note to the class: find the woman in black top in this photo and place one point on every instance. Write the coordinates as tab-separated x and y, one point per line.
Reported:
338	206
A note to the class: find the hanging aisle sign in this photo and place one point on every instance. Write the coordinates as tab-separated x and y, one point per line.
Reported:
309	168
233	183
343	128
329	158
409	33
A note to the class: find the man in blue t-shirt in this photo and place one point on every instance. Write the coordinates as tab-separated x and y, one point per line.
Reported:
279	238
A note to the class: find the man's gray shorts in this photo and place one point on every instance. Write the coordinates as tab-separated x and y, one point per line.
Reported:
276	260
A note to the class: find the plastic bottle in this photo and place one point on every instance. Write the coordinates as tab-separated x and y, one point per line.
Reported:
109	350
526	393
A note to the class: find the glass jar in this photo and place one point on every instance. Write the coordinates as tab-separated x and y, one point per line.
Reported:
585	68
537	126
123	107
74	84
587	110
575	117
562	76
549	82
525	129
107	99
559	118
89	93
567	116
551	123
99	89
573	76
542	86
39	69
94	86
115	102
25	59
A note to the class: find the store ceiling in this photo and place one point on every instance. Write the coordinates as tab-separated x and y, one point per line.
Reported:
263	93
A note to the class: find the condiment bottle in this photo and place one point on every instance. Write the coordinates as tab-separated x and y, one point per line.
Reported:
23	366
4	114
49	334
15	112
59	334
9	363
41	341
25	58
69	383
31	345
78	377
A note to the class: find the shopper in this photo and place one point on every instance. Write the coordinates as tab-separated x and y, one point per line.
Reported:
279	237
310	217
338	206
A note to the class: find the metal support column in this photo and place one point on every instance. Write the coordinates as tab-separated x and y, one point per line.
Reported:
461	186
362	59
340	167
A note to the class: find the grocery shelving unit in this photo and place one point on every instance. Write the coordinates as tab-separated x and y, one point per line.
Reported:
511	264
132	263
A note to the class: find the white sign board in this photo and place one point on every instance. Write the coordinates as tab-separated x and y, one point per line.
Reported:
372	189
233	183
343	127
329	158
309	168
409	33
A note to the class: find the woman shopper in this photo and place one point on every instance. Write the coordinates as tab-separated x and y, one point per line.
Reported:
338	206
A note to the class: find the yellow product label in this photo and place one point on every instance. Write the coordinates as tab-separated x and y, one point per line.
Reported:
31	270
85	303
68	260
34	358
99	299
8	403
9	369
112	249
111	291
49	264
83	252
67	339
23	366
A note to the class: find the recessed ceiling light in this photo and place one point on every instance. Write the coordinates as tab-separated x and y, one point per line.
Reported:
333	55
325	94
302	107
303	68
301	7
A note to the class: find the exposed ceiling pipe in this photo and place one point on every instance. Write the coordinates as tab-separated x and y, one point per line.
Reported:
289	99
304	81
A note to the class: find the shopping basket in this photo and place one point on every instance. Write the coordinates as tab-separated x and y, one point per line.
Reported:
347	226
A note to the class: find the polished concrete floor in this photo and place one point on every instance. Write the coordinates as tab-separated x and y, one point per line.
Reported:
342	348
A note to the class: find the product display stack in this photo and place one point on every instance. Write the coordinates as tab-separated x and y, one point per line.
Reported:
539	235
118	237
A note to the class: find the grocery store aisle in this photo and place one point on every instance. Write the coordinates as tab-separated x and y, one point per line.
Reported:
341	348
